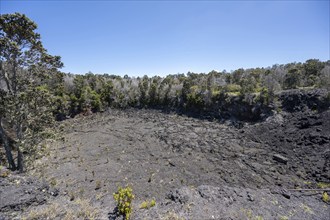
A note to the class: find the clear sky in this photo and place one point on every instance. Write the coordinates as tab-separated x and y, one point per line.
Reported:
169	37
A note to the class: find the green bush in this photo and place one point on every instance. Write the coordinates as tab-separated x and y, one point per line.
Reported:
152	203
325	197
147	205
266	97
124	198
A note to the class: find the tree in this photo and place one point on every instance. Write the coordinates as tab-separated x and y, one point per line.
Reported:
292	79
209	88
25	68
325	77
153	92
144	87
248	84
313	69
107	93
237	75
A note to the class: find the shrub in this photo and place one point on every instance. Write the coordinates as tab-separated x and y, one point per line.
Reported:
265	97
124	197
325	197
53	182
323	185
152	203
98	185
144	205
4	172
147	205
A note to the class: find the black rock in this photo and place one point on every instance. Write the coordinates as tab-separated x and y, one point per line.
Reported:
280	158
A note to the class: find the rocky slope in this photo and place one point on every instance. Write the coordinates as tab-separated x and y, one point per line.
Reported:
193	168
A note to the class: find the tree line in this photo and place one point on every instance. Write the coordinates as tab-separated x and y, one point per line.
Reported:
34	92
191	91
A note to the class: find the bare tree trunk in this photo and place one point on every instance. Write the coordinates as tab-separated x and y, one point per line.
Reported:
5	76
7	147
20	163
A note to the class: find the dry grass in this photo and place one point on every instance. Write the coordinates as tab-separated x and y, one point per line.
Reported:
86	210
79	209
50	212
172	216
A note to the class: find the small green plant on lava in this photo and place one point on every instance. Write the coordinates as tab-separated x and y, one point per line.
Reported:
147	204
124	198
325	197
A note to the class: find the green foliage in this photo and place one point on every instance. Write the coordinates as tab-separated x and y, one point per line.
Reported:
61	106
144	205
193	91
324	80
143	87
74	104
292	79
147	204
248	85
325	197
107	93
95	100
25	68
323	185
153	93
152	203
313	67
236	76
266	97
232	88
195	97
124	198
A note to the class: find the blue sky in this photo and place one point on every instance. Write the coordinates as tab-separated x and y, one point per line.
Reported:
169	37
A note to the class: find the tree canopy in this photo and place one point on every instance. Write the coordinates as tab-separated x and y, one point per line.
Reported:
25	68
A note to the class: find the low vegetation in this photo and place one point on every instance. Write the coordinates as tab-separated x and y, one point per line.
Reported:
146	204
80	209
124	198
325	197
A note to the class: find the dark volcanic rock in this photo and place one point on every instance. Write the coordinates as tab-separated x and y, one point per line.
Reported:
19	192
280	158
224	202
193	168
304	146
299	100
